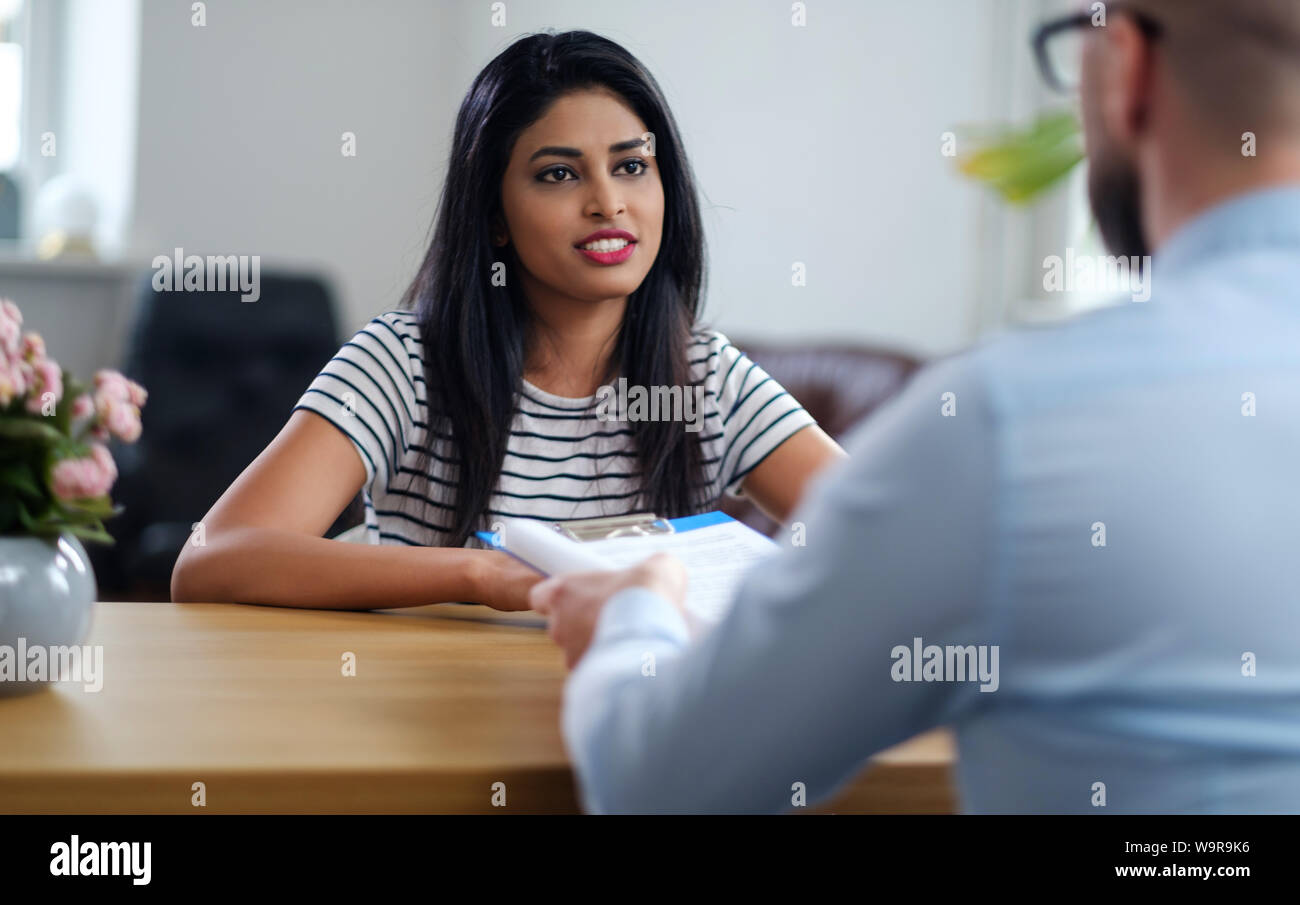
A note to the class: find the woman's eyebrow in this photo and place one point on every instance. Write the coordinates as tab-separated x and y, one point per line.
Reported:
559	151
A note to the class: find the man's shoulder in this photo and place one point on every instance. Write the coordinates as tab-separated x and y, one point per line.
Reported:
1069	349
1042	342
1001	371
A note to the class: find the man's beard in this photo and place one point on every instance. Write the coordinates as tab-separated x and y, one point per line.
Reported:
1116	200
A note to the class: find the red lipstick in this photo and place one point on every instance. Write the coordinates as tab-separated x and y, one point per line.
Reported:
614	256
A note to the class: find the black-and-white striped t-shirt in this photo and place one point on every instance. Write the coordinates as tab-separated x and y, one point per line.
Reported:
563	461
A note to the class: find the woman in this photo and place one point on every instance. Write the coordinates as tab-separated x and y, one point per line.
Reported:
567	255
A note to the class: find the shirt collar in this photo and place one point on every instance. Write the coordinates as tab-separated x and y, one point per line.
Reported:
1261	217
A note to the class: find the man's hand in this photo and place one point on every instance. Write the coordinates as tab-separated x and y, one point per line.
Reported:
573	603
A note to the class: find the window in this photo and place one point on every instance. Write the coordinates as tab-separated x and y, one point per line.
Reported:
12	22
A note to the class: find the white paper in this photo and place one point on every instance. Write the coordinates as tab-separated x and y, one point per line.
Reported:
539	545
716	557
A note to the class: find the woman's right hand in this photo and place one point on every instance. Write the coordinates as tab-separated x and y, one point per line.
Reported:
504	582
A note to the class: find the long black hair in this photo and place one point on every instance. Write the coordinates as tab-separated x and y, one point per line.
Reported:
474	333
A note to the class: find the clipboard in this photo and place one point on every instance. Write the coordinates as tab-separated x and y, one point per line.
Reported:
715	548
643	524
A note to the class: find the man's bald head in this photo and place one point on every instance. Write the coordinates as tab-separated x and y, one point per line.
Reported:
1166	110
1236	62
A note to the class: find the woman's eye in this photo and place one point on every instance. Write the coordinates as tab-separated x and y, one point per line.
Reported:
564	174
554	171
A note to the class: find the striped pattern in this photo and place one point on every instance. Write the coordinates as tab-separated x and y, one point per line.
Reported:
562	462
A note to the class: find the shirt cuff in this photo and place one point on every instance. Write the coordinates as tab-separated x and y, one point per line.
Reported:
640	613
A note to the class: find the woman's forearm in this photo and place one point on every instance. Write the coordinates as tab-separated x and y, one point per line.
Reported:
284	568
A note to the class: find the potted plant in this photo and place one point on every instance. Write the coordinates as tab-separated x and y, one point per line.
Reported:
55	476
1021	163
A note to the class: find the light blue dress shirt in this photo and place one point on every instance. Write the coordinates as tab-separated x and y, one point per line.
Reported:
1107	506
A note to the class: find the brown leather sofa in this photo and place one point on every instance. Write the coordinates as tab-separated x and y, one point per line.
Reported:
838	384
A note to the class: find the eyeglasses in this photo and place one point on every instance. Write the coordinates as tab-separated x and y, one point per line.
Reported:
1058	45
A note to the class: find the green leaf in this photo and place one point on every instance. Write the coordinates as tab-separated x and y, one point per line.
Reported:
72	387
97	507
1022	163
84	526
63	411
19	476
29	428
8	514
94	533
24	517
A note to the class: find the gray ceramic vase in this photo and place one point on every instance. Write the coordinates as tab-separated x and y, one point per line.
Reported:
46	590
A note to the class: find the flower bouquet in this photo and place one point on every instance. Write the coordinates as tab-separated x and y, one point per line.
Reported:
55	467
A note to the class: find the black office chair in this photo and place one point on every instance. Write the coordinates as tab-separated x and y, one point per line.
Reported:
223	376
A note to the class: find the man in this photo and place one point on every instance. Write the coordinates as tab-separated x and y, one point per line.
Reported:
1101	519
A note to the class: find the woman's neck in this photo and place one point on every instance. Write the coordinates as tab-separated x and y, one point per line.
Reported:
571	345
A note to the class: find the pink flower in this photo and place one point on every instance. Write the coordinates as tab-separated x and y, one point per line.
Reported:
117	403
11	332
10	311
120	417
51	376
136	393
8	383
112	384
101	455
11	327
13	380
68	479
49	379
33	347
91	476
112	409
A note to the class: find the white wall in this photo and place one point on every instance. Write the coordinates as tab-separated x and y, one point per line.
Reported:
240	125
818	144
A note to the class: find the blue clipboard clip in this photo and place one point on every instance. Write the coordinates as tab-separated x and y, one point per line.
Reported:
639	525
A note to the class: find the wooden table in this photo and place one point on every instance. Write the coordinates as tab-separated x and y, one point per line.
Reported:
252	702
